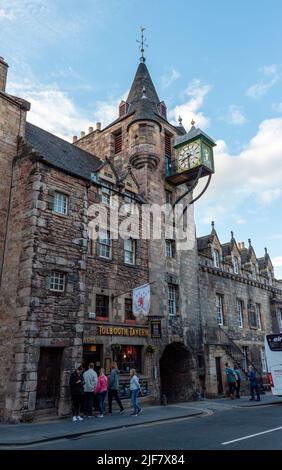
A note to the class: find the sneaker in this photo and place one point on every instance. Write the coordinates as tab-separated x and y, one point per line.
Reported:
121	412
100	416
135	414
140	411
74	418
79	418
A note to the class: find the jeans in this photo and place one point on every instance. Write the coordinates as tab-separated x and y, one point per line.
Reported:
134	401
77	404
114	394
254	388
88	403
101	398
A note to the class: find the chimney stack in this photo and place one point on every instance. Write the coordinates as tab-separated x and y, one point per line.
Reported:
98	126
3	74
74	139
90	130
82	134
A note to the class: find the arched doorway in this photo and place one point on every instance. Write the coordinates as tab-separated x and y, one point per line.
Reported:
175	369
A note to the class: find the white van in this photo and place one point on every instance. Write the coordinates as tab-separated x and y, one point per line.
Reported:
273	354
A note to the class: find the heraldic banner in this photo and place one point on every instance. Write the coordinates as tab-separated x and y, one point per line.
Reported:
141	299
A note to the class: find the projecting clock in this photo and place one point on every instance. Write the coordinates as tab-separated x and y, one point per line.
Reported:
189	156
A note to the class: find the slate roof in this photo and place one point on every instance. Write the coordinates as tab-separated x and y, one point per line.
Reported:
245	256
226	249
192	134
203	242
60	153
142	79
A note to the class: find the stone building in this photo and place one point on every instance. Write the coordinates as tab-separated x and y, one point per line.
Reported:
240	303
65	297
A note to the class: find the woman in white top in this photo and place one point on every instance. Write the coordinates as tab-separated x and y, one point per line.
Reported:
134	389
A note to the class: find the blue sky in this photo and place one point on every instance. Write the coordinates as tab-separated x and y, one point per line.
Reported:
217	61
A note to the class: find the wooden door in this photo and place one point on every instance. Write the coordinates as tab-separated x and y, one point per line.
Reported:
48	381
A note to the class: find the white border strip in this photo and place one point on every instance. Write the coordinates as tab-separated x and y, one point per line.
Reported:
251	435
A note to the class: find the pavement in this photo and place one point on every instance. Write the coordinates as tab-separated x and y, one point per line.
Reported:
40	432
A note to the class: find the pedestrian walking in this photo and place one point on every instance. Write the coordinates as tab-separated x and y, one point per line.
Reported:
254	387
238	380
231	380
77	393
101	391
134	389
90	383
114	388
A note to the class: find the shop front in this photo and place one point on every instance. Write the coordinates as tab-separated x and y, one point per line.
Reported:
104	343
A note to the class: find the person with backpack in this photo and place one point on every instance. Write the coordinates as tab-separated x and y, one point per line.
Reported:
238	380
254	387
231	380
113	389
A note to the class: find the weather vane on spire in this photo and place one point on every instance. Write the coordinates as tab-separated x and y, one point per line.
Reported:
142	44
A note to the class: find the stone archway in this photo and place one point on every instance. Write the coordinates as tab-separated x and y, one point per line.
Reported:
176	373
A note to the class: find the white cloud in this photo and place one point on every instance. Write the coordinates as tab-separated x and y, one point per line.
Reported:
54	110
196	92
170	77
270	195
236	116
264	84
7	15
253	175
277	261
277	107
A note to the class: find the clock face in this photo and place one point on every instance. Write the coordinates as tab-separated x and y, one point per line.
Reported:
189	156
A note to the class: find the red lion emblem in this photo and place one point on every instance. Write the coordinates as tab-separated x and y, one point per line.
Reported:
141	301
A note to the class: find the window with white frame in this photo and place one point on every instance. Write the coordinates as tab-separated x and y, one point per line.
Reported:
258	316
279	319
169	248
216	258
129	251
240	313
263	360
235	265
60	203
105	193
57	281
105	244
219	309
172	299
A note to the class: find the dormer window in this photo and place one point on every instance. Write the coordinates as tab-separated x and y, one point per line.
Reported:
216	258
162	109
235	264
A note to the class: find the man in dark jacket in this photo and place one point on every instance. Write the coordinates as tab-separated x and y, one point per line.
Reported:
113	385
253	384
77	393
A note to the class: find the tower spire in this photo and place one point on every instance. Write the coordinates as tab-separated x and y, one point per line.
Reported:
142	44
